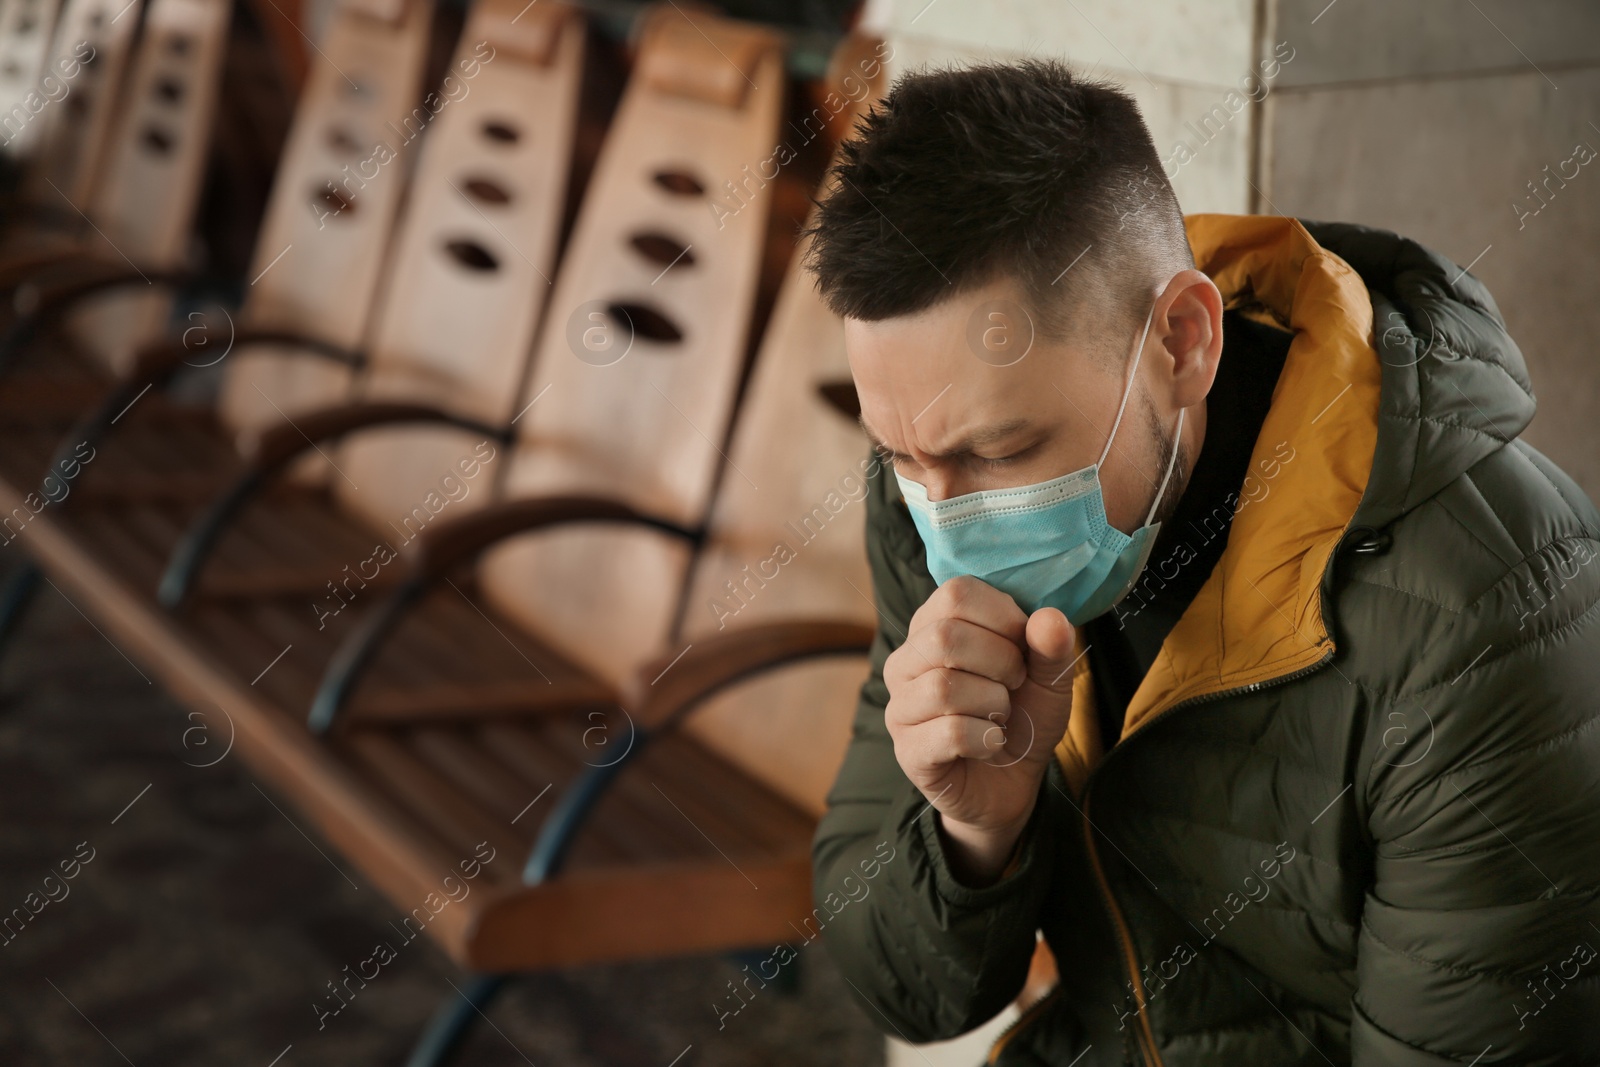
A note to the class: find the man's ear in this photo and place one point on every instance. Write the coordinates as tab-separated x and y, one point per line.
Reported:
1189	321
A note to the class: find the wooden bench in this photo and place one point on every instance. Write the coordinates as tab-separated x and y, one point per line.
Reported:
121	195
565	660
663	859
651	329
89	55
56	398
467	279
145	203
26	30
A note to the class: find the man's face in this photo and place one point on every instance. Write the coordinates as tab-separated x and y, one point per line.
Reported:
964	402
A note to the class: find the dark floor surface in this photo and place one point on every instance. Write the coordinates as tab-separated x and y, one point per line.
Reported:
205	927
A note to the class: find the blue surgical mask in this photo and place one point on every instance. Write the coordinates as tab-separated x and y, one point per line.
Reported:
1048	544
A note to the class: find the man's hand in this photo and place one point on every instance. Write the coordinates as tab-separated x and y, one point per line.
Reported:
979	695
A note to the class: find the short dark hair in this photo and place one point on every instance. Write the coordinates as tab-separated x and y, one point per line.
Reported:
962	176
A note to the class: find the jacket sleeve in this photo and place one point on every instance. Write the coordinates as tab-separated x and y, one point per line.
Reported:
929	957
1480	934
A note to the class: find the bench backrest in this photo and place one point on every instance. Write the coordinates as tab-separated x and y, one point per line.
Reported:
791	549
144	206
88	56
316	270
794	548
472	265
25	30
647	336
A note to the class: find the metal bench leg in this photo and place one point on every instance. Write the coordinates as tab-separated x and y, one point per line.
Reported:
15	596
452	1020
786	983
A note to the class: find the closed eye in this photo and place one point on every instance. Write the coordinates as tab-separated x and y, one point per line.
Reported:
997	462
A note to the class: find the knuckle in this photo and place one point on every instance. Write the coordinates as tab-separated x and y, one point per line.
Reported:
899	718
894	663
942	640
960	590
955	731
944	681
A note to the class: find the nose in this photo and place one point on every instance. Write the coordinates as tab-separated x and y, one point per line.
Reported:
938	486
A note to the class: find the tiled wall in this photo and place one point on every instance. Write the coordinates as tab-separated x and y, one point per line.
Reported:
1431	119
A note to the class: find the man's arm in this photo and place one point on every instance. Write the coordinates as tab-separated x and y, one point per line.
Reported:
931	957
1480	938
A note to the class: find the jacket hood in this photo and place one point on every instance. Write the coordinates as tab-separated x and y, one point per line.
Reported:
1455	387
1400	377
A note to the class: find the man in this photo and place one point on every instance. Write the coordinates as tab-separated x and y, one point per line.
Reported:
1229	637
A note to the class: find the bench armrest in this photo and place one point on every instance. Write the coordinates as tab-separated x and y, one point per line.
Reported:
661	700
52	304
660	697
157	364
278	449
441	548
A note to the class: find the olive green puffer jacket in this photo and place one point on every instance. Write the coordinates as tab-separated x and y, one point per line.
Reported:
1354	815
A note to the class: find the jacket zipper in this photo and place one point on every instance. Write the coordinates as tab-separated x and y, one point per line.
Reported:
1145	1037
1147	1041
1034	1011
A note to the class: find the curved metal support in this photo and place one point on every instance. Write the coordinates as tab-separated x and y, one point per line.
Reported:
710	667
194	548
753	650
358	650
787	981
572	809
277	451
56	303
454	1017
156	366
15	596
442	548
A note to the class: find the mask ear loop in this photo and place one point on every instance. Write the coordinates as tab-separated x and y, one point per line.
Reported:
1127	388
1172	461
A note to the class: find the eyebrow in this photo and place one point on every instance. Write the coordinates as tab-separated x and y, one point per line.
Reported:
977	438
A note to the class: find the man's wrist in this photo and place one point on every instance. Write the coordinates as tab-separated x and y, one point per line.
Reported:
978	857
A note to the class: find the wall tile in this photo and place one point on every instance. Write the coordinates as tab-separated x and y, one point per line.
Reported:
1444	162
1356	40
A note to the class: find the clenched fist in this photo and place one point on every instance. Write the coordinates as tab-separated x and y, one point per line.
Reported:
979	694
